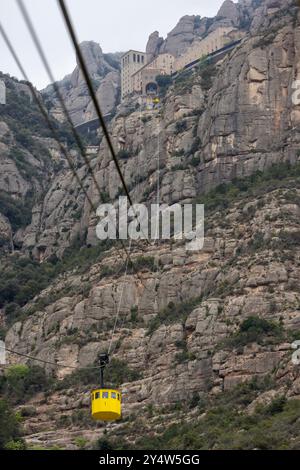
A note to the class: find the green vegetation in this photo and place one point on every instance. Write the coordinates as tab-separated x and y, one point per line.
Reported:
226	423
24	118
146	119
184	355
274	177
143	262
140	263
180	126
28	125
10	433
81	418
22	278
223	428
20	382
164	82
117	373
18	212
207	74
123	154
183	81
173	313
255	329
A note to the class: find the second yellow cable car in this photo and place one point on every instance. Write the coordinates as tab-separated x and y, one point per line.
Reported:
106	403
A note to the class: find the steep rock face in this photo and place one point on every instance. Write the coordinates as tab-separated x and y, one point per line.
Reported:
184	353
153	44
5	233
250	119
108	95
181	36
30	159
241	119
244	15
229	11
105	73
94	60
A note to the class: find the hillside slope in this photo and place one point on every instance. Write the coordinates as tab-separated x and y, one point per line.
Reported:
202	349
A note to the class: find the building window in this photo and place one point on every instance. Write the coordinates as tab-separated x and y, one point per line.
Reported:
134	57
142	59
138	58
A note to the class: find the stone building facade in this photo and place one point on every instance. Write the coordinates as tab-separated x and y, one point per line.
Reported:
139	76
144	80
211	43
131	62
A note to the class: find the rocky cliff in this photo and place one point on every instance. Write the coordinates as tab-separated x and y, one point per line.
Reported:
197	332
104	69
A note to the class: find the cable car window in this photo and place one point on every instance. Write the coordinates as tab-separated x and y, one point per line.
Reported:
104	394
118	396
97	395
113	395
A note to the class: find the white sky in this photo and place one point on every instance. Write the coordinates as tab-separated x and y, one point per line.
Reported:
117	25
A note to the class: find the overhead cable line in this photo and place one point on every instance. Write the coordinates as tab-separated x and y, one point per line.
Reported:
44	361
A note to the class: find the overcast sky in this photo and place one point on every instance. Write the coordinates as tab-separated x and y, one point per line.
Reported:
117	25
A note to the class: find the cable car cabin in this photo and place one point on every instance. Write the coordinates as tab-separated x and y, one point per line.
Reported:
106	404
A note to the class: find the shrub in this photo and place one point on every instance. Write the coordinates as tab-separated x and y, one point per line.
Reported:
255	329
116	373
276	406
9	429
17	212
21	382
146	119
196	145
123	154
180	126
103	444
207	74
221	196
164	82
173	313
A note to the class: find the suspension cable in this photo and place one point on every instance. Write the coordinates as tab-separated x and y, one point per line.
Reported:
119	306
44	361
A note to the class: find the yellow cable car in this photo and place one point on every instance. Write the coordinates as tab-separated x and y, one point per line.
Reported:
105	402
